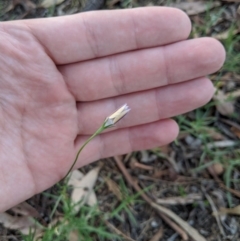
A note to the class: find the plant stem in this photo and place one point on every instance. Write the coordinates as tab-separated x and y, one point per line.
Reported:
85	143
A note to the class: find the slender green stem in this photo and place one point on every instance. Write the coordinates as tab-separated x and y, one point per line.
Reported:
75	160
85	143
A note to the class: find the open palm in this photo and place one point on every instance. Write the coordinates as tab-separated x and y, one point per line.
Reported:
61	77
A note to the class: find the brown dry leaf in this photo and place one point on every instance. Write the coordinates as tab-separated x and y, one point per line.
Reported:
217	136
50	3
113	187
224	106
23	224
234	211
83	188
193	8
25	209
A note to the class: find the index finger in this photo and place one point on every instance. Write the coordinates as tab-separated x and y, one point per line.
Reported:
91	35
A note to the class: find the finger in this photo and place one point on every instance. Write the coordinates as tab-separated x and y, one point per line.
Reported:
147	106
142	70
89	35
127	140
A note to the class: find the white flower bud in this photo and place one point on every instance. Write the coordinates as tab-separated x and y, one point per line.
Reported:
116	116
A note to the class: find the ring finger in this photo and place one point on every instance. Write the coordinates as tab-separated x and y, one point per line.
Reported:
146	106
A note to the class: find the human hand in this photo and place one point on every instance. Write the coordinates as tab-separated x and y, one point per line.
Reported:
61	77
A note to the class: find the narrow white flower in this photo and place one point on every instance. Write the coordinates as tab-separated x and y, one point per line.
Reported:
116	116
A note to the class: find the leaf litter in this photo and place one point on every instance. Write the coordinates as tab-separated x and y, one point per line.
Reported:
83	185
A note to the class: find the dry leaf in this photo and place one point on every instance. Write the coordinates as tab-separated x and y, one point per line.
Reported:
50	3
76	176
224	106
83	188
23	224
92	199
193	8
233	211
213	133
25	209
74	180
113	187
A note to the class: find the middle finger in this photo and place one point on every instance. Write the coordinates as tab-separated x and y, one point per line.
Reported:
143	69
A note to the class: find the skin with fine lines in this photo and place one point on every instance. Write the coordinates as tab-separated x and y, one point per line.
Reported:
61	77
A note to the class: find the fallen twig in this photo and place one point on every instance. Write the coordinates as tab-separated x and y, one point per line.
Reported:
214	211
163	212
222	185
117	231
135	164
193	233
158	235
234	192
180	200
